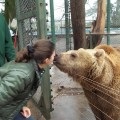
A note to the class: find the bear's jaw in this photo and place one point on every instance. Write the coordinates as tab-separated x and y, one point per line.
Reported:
62	67
78	75
58	64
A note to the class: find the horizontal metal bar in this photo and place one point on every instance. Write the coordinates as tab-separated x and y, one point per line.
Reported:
102	33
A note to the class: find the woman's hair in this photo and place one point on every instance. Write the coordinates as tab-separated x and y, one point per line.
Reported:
39	51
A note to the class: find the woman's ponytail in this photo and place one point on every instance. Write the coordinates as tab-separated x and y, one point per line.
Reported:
22	56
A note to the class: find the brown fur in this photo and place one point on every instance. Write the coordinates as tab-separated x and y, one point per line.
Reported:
98	71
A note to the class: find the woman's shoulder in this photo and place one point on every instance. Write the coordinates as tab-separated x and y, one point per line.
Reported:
26	68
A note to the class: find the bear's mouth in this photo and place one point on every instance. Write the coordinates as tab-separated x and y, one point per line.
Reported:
57	63
56	60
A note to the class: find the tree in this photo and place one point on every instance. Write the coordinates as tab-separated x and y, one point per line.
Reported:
98	25
78	22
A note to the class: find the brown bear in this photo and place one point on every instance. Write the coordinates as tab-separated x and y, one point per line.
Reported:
98	72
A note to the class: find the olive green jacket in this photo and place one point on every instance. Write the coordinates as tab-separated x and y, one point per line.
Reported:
18	83
7	51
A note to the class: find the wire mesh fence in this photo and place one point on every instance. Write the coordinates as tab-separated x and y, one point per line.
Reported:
27	21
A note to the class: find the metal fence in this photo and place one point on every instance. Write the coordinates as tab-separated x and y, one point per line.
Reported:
32	22
112	28
26	15
31	18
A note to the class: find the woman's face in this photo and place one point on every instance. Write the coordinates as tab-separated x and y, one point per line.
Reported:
50	60
47	61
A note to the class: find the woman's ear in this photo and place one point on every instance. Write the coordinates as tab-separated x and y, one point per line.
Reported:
46	61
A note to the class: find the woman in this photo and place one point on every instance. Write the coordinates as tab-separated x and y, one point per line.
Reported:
19	79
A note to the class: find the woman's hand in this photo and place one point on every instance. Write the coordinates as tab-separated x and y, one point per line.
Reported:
26	112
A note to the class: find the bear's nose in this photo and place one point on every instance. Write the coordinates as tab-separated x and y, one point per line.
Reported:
55	58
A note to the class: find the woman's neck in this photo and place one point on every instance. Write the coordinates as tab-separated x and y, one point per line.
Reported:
42	65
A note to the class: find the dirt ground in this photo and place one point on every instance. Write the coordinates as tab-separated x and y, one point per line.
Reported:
69	102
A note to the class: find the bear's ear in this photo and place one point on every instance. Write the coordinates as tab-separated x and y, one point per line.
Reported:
73	55
99	53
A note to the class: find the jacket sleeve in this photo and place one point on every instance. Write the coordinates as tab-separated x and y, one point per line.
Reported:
9	48
11	85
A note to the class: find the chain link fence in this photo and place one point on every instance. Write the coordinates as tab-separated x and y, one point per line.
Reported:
31	18
27	21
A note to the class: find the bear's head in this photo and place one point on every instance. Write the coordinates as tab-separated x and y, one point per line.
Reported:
81	61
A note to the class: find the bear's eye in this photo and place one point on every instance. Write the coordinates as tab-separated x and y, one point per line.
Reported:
73	55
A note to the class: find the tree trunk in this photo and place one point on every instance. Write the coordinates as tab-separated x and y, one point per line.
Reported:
98	25
78	22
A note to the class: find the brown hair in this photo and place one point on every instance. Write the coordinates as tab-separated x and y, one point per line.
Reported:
39	51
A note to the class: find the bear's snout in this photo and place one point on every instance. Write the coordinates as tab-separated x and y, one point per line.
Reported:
57	59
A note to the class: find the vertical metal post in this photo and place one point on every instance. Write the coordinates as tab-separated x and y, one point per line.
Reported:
45	100
70	42
67	24
41	14
52	21
108	21
21	41
91	45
